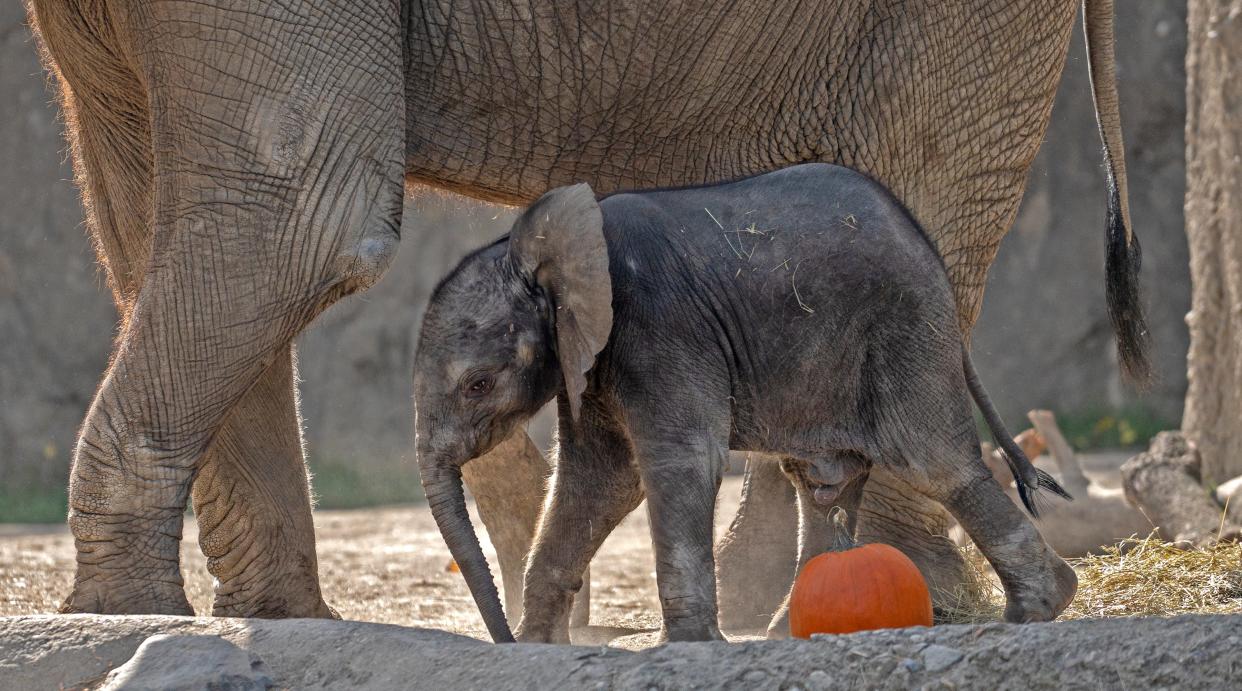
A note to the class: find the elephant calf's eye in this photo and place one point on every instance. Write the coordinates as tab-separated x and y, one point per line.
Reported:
480	386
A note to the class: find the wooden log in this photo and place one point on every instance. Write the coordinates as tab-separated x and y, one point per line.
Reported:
1229	495
1032	445
1165	483
1072	477
1098	516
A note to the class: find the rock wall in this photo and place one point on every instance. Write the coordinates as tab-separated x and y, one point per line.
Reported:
56	317
126	652
1043	339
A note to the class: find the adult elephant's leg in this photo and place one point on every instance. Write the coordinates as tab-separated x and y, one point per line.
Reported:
259	441
252	500
756	557
893	513
509	484
817	534
277	189
108	126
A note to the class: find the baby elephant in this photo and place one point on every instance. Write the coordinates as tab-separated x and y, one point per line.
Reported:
801	313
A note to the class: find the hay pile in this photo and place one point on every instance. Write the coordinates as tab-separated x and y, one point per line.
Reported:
1149	578
1140	577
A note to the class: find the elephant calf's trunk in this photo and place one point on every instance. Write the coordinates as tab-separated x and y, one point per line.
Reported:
442	482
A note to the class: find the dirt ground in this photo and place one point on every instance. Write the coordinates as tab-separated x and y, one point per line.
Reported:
385	565
389	565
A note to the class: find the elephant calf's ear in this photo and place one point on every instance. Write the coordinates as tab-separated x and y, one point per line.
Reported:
558	244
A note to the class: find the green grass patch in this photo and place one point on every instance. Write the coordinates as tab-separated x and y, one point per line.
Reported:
335	484
33	505
1094	429
340	485
1098	428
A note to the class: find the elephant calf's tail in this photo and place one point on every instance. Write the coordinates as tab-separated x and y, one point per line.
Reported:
1028	479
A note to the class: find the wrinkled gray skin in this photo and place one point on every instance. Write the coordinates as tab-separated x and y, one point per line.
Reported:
242	163
800	313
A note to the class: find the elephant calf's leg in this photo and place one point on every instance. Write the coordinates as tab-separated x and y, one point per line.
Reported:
594	487
682	480
1038	584
252	500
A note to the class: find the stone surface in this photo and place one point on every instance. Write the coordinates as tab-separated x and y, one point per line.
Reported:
171	662
1183	652
937	658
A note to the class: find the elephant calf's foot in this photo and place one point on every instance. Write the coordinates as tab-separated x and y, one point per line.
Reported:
1041	592
98	596
1039	585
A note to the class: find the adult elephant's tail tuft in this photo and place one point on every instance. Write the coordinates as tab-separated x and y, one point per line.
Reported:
1123	256
1125	308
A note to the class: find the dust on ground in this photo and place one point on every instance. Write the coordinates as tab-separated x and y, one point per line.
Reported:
386	565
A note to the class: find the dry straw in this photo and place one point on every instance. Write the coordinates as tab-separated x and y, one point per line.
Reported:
1140	577
1149	578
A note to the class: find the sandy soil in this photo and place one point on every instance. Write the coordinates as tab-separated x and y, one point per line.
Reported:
385	565
389	565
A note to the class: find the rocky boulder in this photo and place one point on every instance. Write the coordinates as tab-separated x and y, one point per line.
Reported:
84	651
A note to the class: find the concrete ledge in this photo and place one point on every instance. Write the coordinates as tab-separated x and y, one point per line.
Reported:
68	651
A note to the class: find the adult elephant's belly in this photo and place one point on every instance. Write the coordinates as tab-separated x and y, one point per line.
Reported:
944	103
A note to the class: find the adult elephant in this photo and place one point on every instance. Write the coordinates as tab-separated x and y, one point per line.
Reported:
242	165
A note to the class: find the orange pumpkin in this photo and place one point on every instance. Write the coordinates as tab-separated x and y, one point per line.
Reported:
856	588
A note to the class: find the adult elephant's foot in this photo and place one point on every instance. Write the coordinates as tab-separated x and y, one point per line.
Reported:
273	608
252	499
125	513
778	629
294	596
126	573
130	596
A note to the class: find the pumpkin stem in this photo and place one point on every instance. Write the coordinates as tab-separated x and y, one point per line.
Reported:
842	540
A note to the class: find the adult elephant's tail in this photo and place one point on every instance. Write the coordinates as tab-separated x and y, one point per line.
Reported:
1123	255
